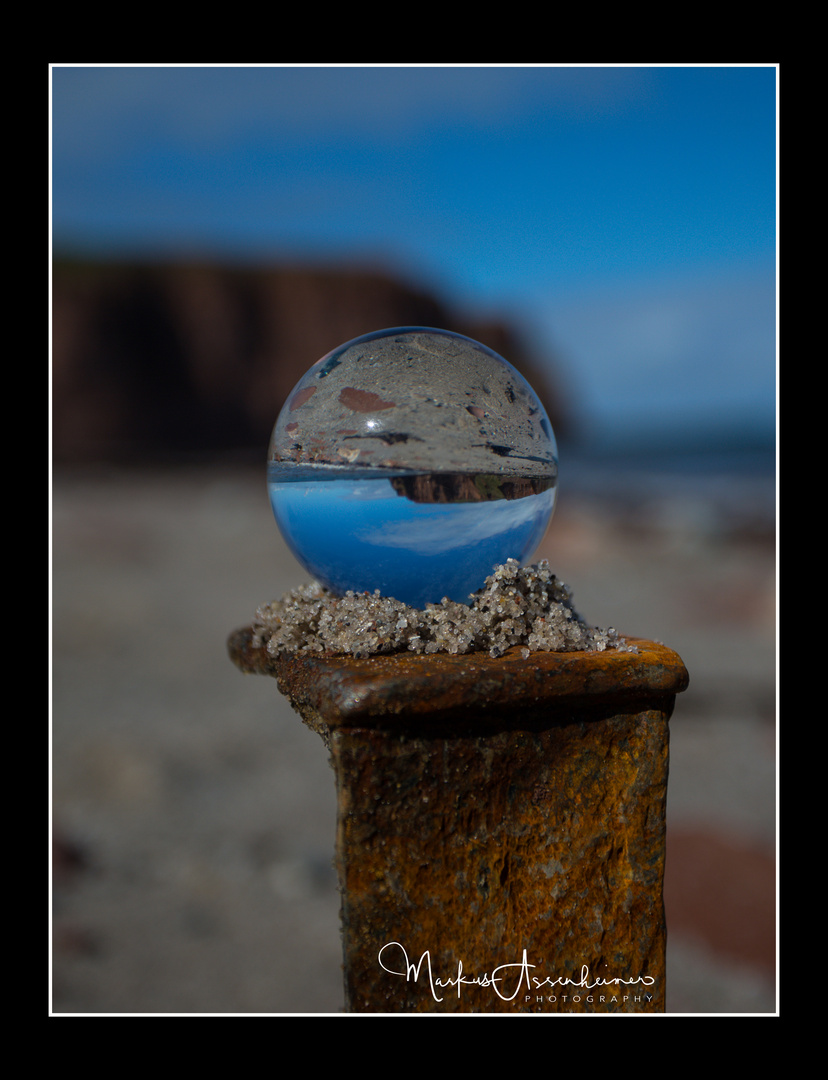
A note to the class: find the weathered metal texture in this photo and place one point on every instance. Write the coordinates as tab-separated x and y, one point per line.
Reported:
501	824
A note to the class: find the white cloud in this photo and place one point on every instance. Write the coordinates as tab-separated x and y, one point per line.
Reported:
437	529
680	346
221	104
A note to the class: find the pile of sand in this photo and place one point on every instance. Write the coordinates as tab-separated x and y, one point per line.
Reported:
518	606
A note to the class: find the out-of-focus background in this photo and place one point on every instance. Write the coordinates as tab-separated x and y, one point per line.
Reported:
612	232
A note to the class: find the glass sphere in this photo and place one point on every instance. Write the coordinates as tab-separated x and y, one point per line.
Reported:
412	461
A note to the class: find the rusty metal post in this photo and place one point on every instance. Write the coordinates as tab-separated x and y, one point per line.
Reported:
501	824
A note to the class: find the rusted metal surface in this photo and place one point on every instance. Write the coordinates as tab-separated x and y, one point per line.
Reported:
501	824
381	691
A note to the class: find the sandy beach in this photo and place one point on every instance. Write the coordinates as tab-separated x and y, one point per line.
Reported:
194	813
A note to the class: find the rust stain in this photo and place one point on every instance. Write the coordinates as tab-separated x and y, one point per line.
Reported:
363	400
474	849
301	396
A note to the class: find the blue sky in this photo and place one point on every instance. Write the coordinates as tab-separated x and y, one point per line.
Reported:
623	217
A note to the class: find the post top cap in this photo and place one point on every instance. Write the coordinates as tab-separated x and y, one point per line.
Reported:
392	690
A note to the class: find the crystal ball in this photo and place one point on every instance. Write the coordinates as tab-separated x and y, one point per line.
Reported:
412	461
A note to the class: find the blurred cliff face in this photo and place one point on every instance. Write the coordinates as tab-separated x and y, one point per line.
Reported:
187	361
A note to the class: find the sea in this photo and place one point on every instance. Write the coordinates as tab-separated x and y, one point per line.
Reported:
722	485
